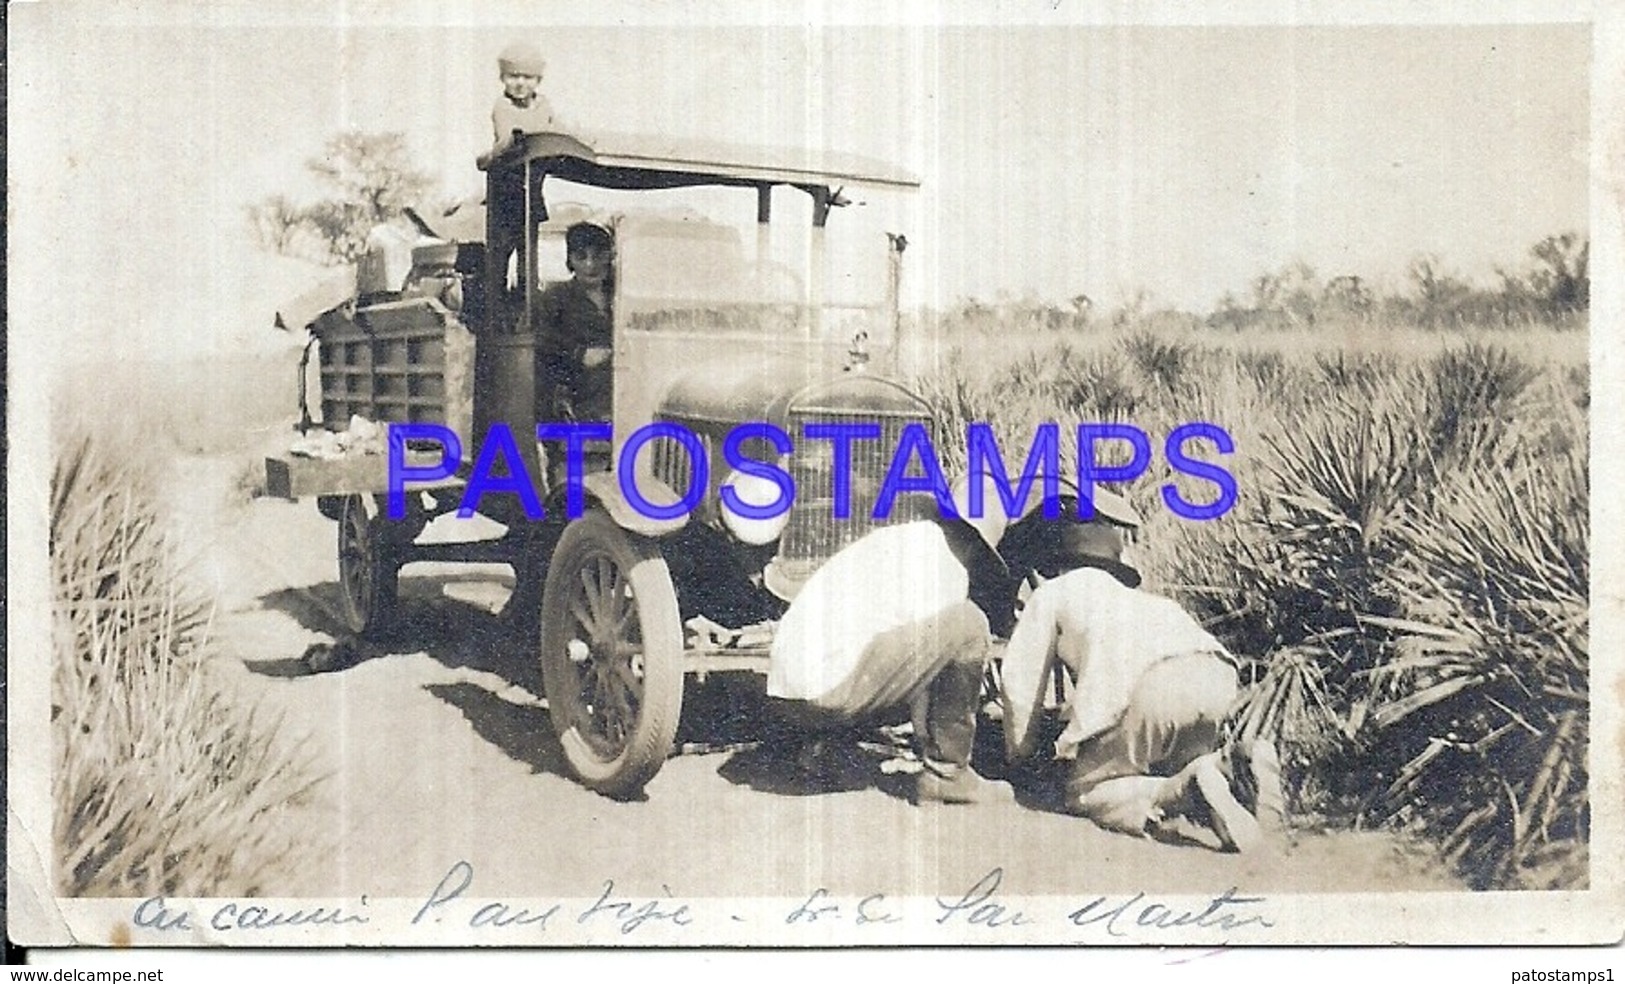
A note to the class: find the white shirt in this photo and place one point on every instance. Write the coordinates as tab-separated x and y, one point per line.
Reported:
533	117
891	577
1107	634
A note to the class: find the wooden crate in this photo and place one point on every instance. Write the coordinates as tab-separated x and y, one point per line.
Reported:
406	360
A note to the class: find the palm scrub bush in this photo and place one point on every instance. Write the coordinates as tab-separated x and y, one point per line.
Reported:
1421	553
162	784
1490	712
1435	522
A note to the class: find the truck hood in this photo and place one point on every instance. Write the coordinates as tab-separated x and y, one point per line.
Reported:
764	387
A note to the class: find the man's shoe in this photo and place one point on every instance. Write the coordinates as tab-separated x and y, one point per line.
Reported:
1254	771
1269	797
1238	830
960	786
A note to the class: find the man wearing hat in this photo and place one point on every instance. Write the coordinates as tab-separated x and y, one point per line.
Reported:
1152	687
894	627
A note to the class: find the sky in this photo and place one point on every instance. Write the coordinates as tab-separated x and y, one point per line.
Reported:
1057	158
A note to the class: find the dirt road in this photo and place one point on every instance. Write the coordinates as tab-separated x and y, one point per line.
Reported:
440	751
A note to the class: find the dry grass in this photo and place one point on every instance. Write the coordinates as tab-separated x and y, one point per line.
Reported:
1406	570
163	784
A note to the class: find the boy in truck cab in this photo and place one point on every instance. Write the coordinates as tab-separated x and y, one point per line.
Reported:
574	337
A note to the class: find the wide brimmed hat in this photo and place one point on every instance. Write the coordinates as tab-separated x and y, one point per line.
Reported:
1110	508
1114	508
992	522
1108	505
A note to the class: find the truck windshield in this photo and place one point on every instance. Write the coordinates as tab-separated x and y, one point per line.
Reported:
701	277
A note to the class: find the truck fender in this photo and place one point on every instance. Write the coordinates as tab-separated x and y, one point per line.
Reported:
604	488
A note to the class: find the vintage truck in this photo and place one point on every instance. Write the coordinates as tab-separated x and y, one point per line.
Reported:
710	330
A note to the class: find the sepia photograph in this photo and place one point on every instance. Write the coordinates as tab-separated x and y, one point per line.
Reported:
671	475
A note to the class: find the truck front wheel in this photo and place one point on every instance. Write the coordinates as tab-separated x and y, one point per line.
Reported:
612	650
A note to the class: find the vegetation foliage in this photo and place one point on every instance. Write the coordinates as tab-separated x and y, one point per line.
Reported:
164	784
1553	289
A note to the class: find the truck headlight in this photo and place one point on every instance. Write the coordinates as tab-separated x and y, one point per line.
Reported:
753	490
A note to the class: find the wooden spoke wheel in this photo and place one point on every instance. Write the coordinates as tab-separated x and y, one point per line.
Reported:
370	552
612	650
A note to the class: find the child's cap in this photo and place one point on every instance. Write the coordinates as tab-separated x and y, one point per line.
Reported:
521	58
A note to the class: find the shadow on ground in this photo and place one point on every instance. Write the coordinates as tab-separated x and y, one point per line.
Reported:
523	732
726	714
456	634
731	714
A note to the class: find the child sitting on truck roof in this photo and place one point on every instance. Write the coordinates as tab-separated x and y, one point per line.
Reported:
521	109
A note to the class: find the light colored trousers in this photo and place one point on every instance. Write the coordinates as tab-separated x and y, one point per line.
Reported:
928	672
1120	778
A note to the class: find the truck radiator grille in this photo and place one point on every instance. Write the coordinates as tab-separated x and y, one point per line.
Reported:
671	463
812	533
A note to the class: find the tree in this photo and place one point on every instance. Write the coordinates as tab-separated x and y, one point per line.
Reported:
1348	294
1439	297
1289	296
369	178
276	224
1565	283
1132	310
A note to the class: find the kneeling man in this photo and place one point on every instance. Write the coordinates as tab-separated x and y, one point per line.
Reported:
1152	687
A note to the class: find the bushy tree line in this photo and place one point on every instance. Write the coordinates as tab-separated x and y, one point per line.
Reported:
1552	287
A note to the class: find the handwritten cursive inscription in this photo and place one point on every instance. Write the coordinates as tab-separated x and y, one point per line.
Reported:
630	915
866	911
155	913
232	916
1137	913
978	909
627	915
974	909
452	884
152	913
491	915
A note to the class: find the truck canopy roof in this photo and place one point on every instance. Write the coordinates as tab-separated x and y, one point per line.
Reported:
637	162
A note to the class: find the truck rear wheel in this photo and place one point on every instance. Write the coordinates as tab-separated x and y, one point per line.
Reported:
612	650
370	553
